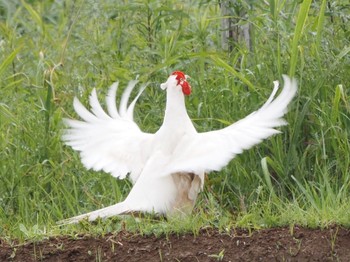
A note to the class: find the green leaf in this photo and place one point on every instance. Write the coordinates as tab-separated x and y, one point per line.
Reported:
335	107
34	14
302	17
9	60
267	175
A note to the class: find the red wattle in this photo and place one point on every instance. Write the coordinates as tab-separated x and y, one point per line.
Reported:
186	88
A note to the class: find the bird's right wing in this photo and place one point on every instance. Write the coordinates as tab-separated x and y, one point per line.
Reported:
110	142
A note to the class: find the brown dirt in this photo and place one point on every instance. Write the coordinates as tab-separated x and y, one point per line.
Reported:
277	244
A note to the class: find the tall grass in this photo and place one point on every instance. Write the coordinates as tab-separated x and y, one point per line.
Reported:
52	51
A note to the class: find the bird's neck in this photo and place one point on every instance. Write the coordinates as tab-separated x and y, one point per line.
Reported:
175	111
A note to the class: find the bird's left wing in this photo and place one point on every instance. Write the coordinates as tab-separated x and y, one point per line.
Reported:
110	142
210	151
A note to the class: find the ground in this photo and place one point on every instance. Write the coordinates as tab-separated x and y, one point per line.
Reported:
277	244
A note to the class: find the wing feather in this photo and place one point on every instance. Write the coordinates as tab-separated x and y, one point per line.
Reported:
96	108
130	110
125	98
113	143
110	101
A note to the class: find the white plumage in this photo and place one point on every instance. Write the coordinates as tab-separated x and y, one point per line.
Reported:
167	168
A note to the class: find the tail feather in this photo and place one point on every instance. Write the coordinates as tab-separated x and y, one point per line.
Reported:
114	210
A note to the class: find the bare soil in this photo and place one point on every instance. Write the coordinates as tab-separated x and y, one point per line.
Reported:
276	244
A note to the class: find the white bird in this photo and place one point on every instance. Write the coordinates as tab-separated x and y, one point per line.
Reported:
166	168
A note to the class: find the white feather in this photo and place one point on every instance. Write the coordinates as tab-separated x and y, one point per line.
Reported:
125	98
96	108
110	101
130	110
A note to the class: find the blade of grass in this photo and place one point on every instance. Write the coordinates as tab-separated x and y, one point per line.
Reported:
298	32
9	59
218	61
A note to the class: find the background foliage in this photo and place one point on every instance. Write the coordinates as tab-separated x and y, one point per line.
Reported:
51	51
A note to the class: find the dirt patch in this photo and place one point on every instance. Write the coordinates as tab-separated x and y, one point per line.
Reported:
277	244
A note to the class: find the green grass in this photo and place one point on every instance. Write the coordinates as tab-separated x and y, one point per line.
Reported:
51	51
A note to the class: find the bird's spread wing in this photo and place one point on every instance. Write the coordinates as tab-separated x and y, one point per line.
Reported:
211	151
110	142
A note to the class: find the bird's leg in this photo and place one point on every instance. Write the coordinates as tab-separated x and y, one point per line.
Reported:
188	186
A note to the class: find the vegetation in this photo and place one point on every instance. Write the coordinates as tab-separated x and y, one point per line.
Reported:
51	51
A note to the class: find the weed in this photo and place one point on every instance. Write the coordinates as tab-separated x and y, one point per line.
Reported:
219	256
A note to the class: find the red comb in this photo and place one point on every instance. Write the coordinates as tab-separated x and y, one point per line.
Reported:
179	75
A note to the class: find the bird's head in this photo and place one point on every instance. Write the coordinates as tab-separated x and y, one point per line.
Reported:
178	79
